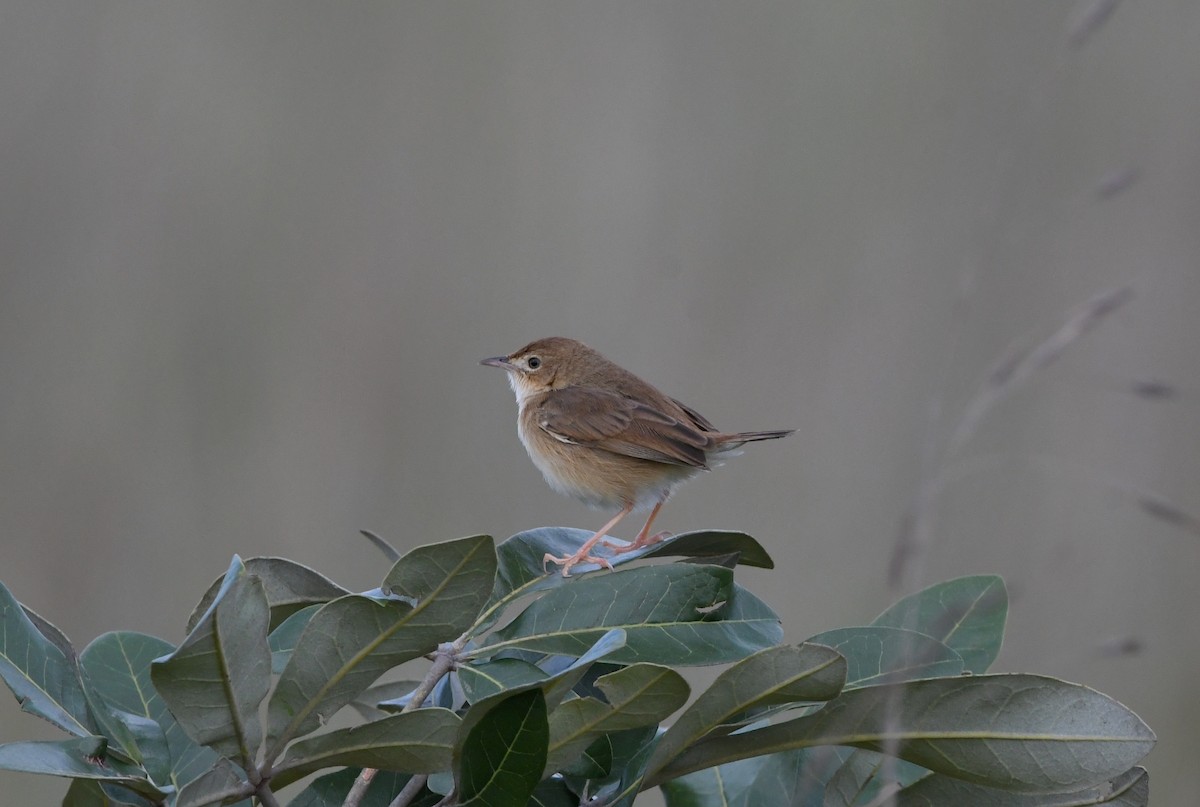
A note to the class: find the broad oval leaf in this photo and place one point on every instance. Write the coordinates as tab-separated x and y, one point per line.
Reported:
487	678
501	750
864	774
554	685
1016	732
52	633
289	586
677	614
1130	789
634	696
966	614
77	758
420	741
216	679
348	643
722	786
798	777
118	665
42	677
220	784
553	793
520	566
627	754
702	544
879	655
282	639
777	675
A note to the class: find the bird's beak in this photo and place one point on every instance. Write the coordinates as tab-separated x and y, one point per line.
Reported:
499	361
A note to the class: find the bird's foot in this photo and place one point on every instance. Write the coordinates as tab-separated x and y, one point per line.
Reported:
571	560
638	543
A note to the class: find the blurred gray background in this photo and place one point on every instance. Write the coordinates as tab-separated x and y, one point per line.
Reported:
250	256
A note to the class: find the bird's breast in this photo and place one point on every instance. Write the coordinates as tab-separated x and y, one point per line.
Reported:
597	477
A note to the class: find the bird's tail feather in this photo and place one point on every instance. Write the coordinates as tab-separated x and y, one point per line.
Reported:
728	444
750	437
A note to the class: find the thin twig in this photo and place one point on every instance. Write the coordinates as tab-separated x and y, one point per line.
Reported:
444	660
412	787
265	796
358	790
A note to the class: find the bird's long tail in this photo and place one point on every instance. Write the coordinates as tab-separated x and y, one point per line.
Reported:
728	444
750	437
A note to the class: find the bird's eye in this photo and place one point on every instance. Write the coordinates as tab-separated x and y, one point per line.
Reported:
533	362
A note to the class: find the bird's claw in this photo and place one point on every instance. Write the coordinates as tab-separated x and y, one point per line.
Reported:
638	544
567	562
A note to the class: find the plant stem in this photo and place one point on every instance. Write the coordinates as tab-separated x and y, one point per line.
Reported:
444	660
410	791
359	790
265	796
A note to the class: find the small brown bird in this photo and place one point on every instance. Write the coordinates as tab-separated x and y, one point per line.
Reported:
601	434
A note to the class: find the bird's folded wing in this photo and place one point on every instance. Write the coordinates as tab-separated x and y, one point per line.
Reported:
601	419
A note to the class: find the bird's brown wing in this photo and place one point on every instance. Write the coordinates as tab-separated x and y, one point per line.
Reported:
700	421
601	419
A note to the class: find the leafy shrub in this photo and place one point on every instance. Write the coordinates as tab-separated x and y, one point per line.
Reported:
552	691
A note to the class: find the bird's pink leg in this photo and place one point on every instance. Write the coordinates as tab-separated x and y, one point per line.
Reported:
582	556
644	537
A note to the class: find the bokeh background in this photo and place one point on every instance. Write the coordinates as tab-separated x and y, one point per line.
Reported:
250	256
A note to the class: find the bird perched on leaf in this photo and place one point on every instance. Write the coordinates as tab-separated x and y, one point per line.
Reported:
601	434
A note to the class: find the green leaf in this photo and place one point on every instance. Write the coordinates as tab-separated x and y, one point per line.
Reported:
330	790
796	777
553	793
367	703
289	587
777	675
282	640
861	778
220	784
52	633
441	782
122	796
1017	732
42	677
678	614
709	544
520	570
353	640
420	741
86	793
121	742
595	762
136	738
1130	789
878	655
966	614
629	752
501	750
721	786
390	552
520	559
635	696
118	665
78	758
216	679
489	677
554	686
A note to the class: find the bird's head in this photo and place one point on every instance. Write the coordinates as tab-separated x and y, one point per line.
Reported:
546	364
